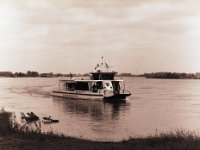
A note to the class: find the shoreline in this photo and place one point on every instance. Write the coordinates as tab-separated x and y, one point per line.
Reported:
13	137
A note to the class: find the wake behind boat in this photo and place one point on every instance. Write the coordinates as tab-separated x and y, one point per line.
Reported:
101	85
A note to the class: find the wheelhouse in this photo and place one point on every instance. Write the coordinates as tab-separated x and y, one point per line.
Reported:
102	75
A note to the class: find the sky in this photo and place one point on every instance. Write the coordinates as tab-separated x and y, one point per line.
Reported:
134	36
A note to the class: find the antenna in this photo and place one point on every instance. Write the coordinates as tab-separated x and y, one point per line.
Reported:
101	62
103	66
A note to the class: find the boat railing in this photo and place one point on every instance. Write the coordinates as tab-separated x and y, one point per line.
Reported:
123	91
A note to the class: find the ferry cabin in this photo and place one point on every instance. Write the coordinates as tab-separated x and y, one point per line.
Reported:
98	88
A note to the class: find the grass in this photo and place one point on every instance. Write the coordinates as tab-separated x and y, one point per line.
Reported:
5	123
13	137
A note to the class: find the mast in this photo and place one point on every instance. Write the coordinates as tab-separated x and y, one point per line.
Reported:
103	72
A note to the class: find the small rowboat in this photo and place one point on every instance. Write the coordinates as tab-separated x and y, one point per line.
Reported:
49	120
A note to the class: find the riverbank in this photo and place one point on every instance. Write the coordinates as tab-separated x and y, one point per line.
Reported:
12	137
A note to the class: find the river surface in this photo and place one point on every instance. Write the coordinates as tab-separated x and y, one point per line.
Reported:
156	105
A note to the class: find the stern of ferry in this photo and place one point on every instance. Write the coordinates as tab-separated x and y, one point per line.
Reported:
116	96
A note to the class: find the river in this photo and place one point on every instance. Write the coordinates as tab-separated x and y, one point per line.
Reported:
156	105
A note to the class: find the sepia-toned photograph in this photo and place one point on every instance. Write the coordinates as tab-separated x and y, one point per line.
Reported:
99	75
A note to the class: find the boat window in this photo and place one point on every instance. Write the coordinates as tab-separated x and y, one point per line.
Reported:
99	85
70	86
102	75
121	84
94	87
116	86
82	86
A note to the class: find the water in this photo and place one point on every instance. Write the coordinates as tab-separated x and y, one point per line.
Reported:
155	106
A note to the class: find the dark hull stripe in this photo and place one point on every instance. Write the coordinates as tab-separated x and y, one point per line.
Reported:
118	96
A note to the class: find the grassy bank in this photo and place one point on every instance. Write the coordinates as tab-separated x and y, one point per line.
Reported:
13	137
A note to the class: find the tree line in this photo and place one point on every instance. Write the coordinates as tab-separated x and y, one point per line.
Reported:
34	74
158	75
50	74
172	75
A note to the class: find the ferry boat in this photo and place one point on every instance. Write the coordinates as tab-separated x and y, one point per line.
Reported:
101	85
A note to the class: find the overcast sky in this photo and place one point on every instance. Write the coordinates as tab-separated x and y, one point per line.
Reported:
134	36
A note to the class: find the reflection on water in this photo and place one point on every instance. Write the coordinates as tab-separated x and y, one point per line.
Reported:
93	119
95	109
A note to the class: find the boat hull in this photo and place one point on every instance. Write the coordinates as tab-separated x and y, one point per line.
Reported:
93	96
77	95
117	96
